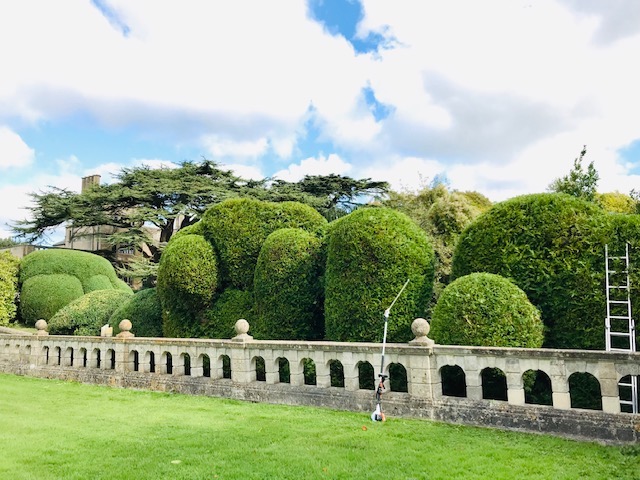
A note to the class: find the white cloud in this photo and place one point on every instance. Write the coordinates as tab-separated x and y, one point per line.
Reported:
314	166
404	174
13	151
226	147
244	171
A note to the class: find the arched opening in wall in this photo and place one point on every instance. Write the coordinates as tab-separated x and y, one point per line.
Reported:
97	358
494	384
83	357
625	390
261	373
186	359
454	381
134	358
111	358
398	378
584	390
336	372
206	365
168	362
68	356
309	371
152	362
366	376
226	366
537	388
46	355
284	371
58	355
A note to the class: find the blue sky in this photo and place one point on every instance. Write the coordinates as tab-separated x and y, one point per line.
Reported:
495	96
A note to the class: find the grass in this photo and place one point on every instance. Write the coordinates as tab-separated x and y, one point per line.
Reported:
51	429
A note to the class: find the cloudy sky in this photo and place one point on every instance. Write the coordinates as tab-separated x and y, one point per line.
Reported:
498	96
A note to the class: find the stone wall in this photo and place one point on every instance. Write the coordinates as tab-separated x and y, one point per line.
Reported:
247	369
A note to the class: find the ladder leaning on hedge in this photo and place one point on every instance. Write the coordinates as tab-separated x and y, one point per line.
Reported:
620	331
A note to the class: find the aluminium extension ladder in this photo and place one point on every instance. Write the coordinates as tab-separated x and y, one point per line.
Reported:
620	332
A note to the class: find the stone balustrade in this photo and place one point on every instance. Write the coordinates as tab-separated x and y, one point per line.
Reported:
445	383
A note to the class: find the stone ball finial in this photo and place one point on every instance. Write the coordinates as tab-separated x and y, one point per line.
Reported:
242	327
41	326
420	328
125	329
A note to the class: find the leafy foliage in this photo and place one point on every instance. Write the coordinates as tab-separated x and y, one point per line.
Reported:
187	281
616	202
578	183
288	289
552	247
145	312
238	228
49	279
87	314
370	254
486	310
8	287
219	320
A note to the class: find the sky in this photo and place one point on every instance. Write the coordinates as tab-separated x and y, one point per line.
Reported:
496	96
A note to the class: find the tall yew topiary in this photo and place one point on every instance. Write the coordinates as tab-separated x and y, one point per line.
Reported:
485	309
238	228
370	254
552	246
288	288
145	312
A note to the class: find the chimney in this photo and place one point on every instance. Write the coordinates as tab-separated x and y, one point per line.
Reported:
89	181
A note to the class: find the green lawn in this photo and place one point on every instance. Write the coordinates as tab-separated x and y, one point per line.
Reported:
59	430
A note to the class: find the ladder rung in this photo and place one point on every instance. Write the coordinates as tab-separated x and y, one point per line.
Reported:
620	334
618	271
624	287
626	350
620	302
620	317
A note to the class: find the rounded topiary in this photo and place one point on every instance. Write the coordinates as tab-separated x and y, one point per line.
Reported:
41	296
91	272
8	287
484	309
552	246
144	311
287	287
219	320
187	281
238	227
370	254
87	314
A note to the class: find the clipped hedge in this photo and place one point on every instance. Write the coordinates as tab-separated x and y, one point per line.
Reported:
288	288
72	274
8	287
238	227
552	246
370	254
87	314
484	309
144	311
219	320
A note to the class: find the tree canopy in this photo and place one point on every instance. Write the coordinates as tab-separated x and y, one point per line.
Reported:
578	183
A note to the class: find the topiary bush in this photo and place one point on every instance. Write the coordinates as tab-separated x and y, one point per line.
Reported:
288	288
8	287
370	254
484	309
238	228
144	311
552	246
219	320
87	314
72	273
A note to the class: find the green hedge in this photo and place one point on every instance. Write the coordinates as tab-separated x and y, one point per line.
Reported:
8	287
370	254
87	314
144	311
486	310
219	320
91	272
288	289
238	228
552	247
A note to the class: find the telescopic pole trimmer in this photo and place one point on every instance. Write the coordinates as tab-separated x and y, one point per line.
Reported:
378	415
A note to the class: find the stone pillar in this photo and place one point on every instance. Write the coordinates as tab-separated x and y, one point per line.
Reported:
608	376
241	371
474	384
421	383
515	385
560	386
323	374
